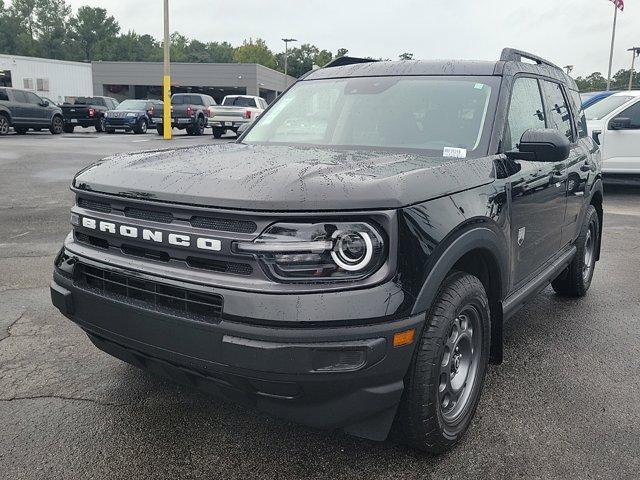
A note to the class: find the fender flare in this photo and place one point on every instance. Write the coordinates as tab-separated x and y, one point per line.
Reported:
482	237
489	238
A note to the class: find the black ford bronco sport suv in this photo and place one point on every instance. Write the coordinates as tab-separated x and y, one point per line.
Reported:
350	260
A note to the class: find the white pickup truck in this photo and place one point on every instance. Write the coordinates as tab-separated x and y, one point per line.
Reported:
234	111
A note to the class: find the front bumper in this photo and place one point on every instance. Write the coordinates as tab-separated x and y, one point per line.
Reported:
348	377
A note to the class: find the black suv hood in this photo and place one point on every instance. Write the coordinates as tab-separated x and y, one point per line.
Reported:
283	178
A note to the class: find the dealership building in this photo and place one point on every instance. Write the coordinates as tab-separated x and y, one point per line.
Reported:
144	79
63	81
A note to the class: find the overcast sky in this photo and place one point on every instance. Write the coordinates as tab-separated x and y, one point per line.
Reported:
576	32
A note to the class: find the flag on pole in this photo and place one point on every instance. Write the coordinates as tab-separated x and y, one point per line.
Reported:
619	4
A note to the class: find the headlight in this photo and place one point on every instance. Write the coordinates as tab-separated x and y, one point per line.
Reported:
106	114
317	252
131	114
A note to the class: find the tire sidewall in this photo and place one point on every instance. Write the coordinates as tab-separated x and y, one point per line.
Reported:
452	432
57	125
4	125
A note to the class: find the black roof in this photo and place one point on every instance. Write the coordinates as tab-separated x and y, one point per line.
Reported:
510	63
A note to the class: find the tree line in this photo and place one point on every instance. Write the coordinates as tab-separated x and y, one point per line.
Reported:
596	82
49	29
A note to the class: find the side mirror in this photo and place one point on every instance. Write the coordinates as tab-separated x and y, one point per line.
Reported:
619	123
44	104
543	145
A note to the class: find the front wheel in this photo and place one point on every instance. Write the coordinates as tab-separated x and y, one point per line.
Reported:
56	126
198	127
141	127
445	379
100	125
576	279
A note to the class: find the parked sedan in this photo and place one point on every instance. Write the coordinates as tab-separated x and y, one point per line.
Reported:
132	115
589	98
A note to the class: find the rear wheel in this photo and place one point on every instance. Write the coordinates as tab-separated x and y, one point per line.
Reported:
141	127
4	124
21	130
444	382
100	125
217	132
160	129
56	125
68	129
576	279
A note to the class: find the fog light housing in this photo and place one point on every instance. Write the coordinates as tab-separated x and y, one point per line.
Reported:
339	360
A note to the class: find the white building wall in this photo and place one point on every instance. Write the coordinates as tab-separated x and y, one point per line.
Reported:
65	79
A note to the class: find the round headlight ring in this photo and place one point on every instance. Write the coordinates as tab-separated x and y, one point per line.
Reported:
342	260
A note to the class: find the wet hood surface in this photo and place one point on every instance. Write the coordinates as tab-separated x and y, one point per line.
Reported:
283	178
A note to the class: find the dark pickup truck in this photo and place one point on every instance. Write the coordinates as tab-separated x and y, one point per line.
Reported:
189	111
350	260
87	112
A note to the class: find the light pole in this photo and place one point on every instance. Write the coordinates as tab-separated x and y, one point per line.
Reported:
166	79
635	51
286	58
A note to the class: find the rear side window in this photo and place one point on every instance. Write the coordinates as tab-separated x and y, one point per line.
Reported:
525	111
3	95
19	96
633	114
581	120
558	111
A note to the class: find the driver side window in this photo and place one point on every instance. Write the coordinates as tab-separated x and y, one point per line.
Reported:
525	111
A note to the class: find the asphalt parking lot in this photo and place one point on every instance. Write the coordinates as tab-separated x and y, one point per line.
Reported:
564	404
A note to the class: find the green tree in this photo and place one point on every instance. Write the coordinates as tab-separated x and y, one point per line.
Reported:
93	31
51	27
23	12
131	47
341	52
179	45
220	52
255	52
196	52
406	56
9	31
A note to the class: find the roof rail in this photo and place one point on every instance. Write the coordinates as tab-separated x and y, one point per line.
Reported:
345	60
514	55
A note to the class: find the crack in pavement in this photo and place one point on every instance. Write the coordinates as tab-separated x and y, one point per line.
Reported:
73	399
12	324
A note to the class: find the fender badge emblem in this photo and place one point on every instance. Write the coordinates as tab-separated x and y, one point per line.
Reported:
521	233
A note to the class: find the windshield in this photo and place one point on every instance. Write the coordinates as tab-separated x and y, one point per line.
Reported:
605	107
132	105
417	113
238	102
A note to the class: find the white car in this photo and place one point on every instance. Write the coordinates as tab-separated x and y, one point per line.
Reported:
235	111
614	123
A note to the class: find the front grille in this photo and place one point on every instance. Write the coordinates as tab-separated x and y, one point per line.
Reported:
93	205
150	294
151	215
220	266
224	224
91	240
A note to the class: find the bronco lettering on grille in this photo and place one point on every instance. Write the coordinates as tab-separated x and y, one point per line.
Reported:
149	235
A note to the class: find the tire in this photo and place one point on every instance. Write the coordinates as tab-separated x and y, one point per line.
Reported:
198	127
100	125
141	127
57	125
576	279
189	130
21	130
160	129
68	128
4	124
217	132
444	382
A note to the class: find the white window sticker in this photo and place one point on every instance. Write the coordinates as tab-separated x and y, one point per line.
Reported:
454	152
